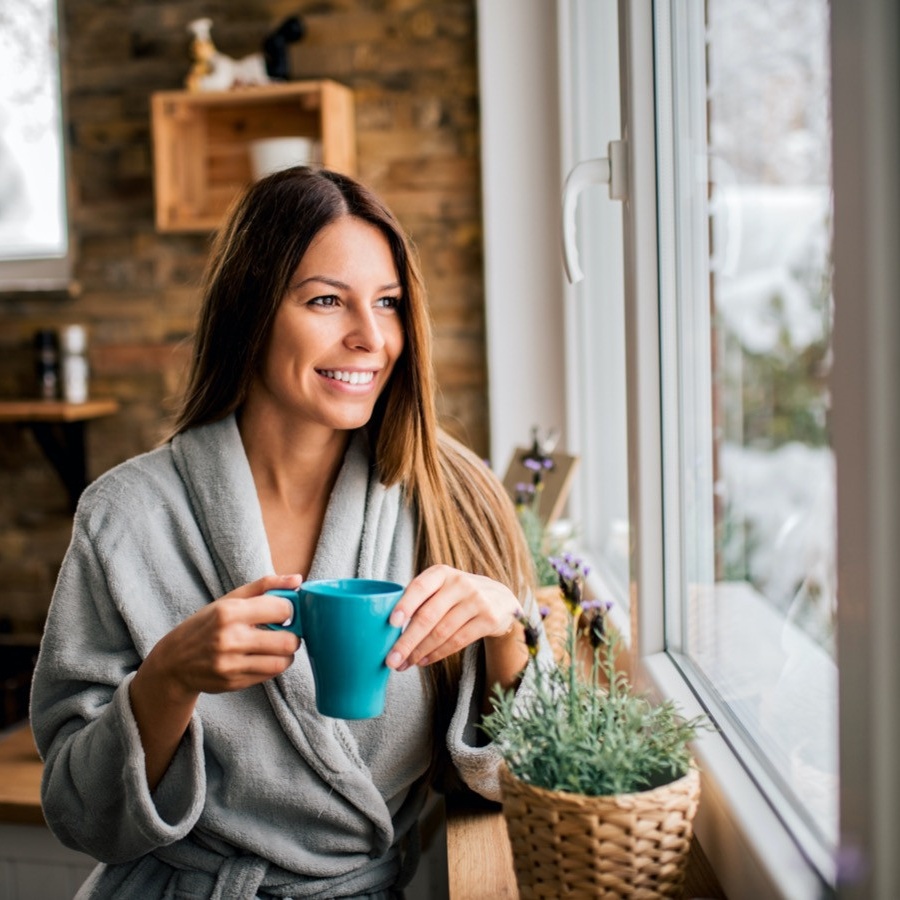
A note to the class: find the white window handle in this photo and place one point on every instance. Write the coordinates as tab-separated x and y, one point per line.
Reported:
608	170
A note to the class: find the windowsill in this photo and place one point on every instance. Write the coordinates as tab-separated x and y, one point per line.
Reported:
747	844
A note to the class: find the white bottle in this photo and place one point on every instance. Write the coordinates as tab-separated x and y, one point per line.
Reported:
73	352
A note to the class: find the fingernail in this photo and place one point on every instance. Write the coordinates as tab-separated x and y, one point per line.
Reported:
403	668
398	618
394	659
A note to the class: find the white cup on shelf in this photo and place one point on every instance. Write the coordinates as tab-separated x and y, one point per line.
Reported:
269	155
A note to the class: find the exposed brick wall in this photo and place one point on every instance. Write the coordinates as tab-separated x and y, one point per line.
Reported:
412	65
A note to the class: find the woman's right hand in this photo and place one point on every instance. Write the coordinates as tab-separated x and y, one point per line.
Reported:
219	648
222	648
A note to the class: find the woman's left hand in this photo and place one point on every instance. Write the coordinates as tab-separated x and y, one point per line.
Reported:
446	610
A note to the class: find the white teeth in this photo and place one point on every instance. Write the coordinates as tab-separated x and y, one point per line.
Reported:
350	377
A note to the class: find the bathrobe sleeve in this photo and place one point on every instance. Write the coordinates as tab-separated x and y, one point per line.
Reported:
94	792
476	759
477	762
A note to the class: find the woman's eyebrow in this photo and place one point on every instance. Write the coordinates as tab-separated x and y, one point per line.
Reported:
340	285
324	279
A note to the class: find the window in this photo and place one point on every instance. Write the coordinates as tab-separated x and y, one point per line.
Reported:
33	229
769	813
727	337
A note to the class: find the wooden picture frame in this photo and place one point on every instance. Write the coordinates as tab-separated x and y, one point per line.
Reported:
557	481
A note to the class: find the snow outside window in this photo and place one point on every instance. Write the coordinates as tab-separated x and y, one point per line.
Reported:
746	321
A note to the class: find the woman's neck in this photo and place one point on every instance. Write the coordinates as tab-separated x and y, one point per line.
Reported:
294	469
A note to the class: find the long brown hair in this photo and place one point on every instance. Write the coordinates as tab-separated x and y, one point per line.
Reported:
466	520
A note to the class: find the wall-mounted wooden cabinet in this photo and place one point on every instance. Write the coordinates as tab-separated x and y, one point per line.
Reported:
201	142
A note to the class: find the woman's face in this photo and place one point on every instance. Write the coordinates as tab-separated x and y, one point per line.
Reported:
338	331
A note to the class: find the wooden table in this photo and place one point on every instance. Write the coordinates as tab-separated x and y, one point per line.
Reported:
20	778
58	428
479	857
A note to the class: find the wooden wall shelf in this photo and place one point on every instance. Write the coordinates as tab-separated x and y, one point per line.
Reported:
55	410
201	141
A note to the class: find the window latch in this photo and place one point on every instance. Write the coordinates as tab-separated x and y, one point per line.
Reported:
606	170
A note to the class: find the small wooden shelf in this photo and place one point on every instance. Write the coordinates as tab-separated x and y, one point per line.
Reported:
55	410
201	141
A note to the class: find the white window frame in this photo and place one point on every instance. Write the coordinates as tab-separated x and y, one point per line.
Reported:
53	274
594	309
748	845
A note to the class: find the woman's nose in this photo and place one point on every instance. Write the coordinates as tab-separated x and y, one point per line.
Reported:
365	332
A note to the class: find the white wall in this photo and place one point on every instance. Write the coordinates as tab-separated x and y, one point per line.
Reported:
520	171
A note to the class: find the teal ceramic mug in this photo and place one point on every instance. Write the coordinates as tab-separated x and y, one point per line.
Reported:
344	624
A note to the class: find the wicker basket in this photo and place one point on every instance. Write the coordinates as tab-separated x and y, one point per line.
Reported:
627	845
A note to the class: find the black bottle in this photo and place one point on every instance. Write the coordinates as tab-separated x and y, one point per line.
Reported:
46	360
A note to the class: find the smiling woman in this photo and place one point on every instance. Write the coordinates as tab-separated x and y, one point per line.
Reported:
307	443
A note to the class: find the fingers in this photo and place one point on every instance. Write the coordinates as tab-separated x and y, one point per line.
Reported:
255	650
420	589
229	653
266	583
260	608
235	625
223	647
445	610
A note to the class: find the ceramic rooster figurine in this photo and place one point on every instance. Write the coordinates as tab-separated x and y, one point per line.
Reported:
214	71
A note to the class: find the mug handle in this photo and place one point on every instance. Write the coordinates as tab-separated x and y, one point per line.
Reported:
293	624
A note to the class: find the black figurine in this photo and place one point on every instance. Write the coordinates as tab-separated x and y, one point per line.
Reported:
275	47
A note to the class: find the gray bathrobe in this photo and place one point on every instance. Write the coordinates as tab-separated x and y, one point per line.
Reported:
264	797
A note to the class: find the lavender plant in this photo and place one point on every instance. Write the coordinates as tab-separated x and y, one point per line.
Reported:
574	734
535	533
539	462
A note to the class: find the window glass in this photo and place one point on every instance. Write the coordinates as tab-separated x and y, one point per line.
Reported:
746	320
32	194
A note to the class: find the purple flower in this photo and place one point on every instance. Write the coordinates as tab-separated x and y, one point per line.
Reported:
524	493
571	572
537	461
596	628
532	633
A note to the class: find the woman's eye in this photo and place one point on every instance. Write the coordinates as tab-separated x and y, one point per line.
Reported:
388	302
327	301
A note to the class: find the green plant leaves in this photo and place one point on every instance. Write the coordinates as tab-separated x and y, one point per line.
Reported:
573	735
